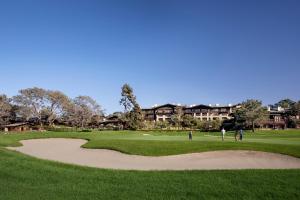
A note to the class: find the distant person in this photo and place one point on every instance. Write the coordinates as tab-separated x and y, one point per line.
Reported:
236	135
190	135
223	133
241	134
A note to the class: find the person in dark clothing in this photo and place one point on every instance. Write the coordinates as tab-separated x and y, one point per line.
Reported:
241	134
190	135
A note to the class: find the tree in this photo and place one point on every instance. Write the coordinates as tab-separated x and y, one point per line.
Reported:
250	112
82	110
5	109
133	113
213	125
216	125
32	103
162	124
176	119
285	103
189	121
289	111
292	115
57	104
128	99
295	109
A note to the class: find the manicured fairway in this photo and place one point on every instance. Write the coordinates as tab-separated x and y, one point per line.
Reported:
24	177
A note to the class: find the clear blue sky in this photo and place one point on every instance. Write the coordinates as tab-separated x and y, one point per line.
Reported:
169	51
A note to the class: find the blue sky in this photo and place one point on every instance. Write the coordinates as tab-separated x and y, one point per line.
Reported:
168	51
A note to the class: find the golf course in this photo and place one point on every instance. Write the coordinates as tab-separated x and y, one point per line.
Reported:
27	177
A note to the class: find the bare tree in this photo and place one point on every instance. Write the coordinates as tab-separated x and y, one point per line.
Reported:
82	111
57	104
32	102
5	109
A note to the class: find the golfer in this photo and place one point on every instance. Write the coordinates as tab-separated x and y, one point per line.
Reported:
241	134
223	133
190	135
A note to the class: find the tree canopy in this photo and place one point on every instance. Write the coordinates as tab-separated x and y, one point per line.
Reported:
250	113
5	109
133	116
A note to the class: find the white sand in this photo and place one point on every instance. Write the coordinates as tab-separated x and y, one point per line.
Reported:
70	151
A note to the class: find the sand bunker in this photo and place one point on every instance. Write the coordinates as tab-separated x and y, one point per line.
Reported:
70	151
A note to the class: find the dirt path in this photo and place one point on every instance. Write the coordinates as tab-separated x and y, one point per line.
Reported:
69	151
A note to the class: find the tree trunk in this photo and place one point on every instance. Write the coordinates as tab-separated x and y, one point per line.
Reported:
253	127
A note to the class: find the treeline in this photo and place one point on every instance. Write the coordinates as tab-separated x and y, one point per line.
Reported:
46	107
43	107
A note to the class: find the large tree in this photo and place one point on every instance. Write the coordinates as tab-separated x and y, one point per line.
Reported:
251	112
82	111
5	109
128	100
133	113
57	104
295	109
285	103
290	112
32	102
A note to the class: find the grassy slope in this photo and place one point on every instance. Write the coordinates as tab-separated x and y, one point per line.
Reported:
26	178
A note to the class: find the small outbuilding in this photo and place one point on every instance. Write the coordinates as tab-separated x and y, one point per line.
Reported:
17	127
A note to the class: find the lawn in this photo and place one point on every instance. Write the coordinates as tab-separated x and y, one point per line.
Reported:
24	177
172	143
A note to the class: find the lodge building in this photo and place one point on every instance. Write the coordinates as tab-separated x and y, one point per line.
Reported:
276	119
276	115
202	112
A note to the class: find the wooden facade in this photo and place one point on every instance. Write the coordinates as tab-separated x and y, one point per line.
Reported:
276	120
201	112
209	113
17	127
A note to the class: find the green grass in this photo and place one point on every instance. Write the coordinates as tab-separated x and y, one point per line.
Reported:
25	177
171	143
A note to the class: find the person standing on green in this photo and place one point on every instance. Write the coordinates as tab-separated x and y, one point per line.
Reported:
241	134
223	133
190	135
